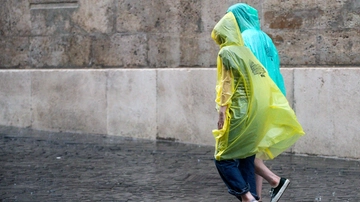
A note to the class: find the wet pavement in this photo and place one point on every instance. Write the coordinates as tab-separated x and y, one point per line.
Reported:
46	166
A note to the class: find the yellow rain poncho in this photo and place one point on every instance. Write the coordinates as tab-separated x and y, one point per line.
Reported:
259	119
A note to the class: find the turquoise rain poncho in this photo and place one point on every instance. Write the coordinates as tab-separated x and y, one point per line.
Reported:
258	41
259	119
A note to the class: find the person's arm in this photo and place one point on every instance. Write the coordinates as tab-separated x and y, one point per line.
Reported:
226	93
222	114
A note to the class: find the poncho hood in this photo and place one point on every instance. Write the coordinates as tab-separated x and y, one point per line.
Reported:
226	32
246	16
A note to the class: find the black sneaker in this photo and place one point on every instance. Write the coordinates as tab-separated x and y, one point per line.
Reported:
278	191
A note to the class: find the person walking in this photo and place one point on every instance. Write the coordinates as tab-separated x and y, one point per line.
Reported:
265	51
246	99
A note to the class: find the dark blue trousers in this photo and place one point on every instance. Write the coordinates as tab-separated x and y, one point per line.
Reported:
238	175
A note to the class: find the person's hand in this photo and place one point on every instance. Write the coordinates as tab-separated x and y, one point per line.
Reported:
221	120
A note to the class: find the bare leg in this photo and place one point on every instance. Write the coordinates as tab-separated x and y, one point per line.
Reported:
248	197
266	173
259	181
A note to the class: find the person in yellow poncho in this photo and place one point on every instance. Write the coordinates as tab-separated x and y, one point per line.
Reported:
252	112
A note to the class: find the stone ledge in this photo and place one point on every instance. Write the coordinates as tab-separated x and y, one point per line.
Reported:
175	104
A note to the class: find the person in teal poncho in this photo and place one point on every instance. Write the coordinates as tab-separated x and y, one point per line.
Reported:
265	51
258	41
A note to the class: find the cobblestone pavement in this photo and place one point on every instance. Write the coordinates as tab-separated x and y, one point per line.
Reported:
45	166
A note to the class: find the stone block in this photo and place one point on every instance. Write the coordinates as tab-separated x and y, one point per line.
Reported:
60	51
339	47
95	16
352	15
164	50
327	106
14	52
339	14
208	50
292	15
15	98
51	17
185	105
121	50
198	50
213	11
288	4
156	16
131	96
79	50
293	49
48	51
346	106
288	76
69	101
190	19
15	18
314	110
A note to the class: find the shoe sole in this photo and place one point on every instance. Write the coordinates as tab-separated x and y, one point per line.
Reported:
281	191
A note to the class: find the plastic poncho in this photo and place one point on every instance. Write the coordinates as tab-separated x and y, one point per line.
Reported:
259	119
258	41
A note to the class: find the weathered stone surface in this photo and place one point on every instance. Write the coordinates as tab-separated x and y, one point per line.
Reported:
326	106
14	18
48	51
69	100
185	105
131	101
79	50
198	50
121	50
14	52
50	19
279	14
288	76
213	11
298	19
156	16
60	51
339	14
208	51
15	98
95	16
190	17
163	50
316	116
121	33
296	47
54	3
330	21
339	47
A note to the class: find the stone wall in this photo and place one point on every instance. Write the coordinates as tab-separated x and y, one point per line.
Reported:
168	33
146	68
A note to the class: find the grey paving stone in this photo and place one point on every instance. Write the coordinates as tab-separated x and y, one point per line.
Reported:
45	166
